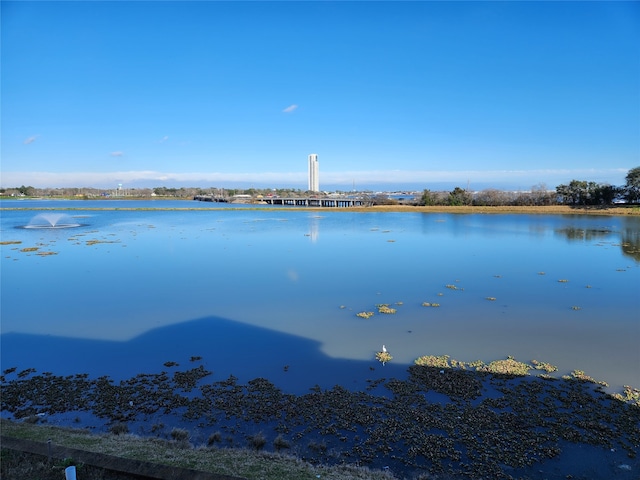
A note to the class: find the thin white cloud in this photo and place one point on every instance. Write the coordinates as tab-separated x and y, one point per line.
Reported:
426	176
117	154
524	178
164	139
30	140
290	108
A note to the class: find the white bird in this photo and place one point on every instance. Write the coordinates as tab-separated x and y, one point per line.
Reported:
384	349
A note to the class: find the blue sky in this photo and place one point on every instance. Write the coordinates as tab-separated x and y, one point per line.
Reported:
390	95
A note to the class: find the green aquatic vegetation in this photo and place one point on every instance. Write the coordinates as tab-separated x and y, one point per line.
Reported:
496	430
583	377
215	437
458	364
547	367
96	241
180	434
364	314
257	441
384	308
441	361
383	357
119	428
629	395
510	366
280	443
476	364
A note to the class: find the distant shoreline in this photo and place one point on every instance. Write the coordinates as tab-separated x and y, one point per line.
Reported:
615	210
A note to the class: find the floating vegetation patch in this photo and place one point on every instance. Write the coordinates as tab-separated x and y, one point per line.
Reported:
575	307
541	273
385	308
547	367
46	254
510	366
441	361
580	376
491	299
563	280
383	357
453	287
364	314
29	249
629	395
96	241
11	242
430	304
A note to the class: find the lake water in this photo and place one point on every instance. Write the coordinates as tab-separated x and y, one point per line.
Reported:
274	293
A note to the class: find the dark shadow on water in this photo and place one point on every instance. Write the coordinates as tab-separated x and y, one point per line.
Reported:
293	363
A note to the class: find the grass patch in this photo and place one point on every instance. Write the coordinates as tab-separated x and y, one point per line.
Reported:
246	463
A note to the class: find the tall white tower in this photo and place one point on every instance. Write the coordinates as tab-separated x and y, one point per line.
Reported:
314	173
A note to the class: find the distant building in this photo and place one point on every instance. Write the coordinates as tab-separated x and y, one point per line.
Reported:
314	173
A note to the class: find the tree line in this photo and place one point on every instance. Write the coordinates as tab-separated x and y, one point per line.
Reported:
576	192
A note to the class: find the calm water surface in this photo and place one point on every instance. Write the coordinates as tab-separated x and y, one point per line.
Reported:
253	290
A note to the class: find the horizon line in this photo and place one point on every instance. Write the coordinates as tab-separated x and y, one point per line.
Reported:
45	179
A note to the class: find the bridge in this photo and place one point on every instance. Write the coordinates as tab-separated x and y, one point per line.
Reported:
335	202
317	202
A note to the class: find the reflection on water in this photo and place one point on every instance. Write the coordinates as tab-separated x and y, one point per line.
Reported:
126	273
630	239
572	233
